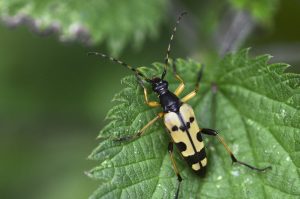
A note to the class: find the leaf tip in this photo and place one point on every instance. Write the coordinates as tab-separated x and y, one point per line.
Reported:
88	173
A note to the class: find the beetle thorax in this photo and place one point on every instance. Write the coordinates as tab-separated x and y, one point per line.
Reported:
159	86
168	100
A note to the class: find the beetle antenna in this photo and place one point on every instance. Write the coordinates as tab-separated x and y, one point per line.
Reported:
138	73
169	46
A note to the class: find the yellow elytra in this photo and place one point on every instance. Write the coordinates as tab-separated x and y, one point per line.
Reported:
186	135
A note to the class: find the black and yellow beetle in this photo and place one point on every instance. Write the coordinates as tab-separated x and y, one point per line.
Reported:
179	117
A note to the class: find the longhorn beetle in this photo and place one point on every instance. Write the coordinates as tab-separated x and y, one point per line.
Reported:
179	117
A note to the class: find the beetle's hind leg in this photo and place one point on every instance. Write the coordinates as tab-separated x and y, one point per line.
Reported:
194	92
179	178
233	158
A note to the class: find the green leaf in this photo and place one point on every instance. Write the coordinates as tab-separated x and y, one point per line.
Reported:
261	10
253	105
117	22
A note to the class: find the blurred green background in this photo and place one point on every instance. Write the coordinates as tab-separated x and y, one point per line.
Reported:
54	98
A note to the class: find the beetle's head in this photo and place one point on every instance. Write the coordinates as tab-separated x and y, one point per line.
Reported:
159	85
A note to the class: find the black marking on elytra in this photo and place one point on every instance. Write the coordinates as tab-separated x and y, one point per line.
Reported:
181	146
202	154
193	159
197	157
199	137
185	127
175	128
188	125
182	128
192	119
186	130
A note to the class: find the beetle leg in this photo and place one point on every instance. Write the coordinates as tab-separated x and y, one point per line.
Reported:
233	158
179	178
194	92
180	88
149	103
140	132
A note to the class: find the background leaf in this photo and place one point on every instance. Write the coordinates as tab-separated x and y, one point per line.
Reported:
262	10
89	21
255	106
